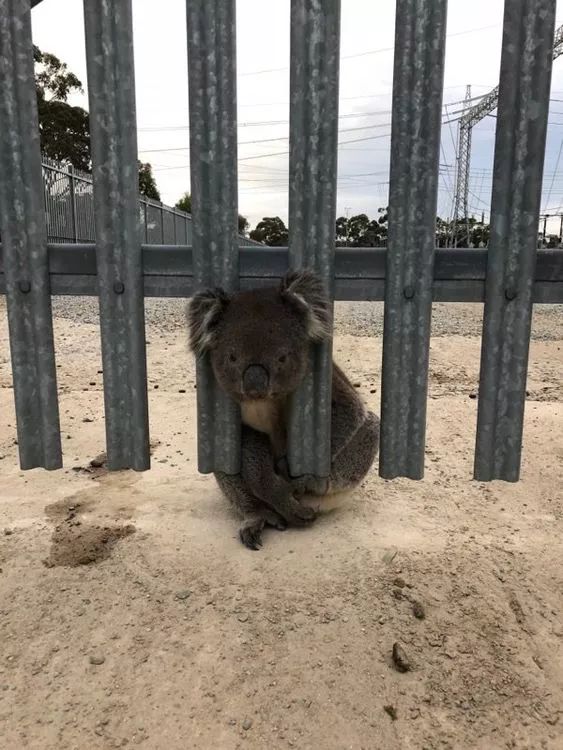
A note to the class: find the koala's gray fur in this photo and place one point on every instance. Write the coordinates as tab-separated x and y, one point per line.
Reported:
258	342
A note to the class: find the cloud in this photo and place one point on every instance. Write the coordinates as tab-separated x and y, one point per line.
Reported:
263	40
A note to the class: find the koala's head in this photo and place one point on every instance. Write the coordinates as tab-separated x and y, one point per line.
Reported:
258	340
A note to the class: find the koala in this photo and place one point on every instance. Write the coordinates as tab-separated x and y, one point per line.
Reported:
258	342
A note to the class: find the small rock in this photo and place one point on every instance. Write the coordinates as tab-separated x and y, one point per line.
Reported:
183	594
243	617
97	659
87	419
472	394
400	659
418	610
398	593
389	556
391	711
99	461
8	532
246	724
400	582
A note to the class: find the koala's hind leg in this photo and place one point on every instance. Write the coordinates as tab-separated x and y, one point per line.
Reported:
353	461
255	515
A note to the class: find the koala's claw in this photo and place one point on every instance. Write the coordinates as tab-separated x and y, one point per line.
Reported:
250	533
251	537
303	515
274	520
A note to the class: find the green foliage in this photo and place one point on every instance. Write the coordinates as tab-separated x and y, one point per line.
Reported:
147	183
271	231
243	225
185	203
64	129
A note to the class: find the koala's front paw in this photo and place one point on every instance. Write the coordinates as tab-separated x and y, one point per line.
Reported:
303	515
310	485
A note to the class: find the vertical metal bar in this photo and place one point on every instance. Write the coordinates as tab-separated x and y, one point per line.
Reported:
213	159
161	225
315	45
72	188
111	86
420	36
24	240
525	79
145	220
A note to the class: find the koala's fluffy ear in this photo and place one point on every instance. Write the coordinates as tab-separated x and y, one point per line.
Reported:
204	313
305	290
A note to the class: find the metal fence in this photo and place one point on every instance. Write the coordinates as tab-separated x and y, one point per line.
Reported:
69	211
408	275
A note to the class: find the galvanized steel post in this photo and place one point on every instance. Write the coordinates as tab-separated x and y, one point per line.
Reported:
213	160
420	37
72	192
24	245
313	138
111	88
523	109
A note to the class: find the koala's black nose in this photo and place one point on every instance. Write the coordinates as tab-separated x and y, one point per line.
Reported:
255	381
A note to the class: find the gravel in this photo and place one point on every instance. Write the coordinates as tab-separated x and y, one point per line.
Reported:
351	318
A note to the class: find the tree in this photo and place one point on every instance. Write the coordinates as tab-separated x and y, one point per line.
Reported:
64	129
271	231
185	203
341	230
357	228
147	183
243	225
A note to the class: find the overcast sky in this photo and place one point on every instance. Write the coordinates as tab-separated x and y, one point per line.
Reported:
472	57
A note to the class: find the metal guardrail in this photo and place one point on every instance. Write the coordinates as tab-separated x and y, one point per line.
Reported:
510	276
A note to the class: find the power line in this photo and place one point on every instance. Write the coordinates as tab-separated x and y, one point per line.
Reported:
368	52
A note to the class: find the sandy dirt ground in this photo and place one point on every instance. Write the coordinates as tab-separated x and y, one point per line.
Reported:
130	615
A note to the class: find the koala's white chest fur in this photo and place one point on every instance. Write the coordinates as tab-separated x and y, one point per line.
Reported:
261	415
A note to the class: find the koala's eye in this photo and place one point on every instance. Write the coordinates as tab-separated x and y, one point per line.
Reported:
283	358
232	357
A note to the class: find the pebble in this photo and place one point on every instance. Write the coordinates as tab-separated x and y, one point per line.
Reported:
243	617
87	419
391	710
418	610
400	659
97	659
183	594
400	582
246	724
8	532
